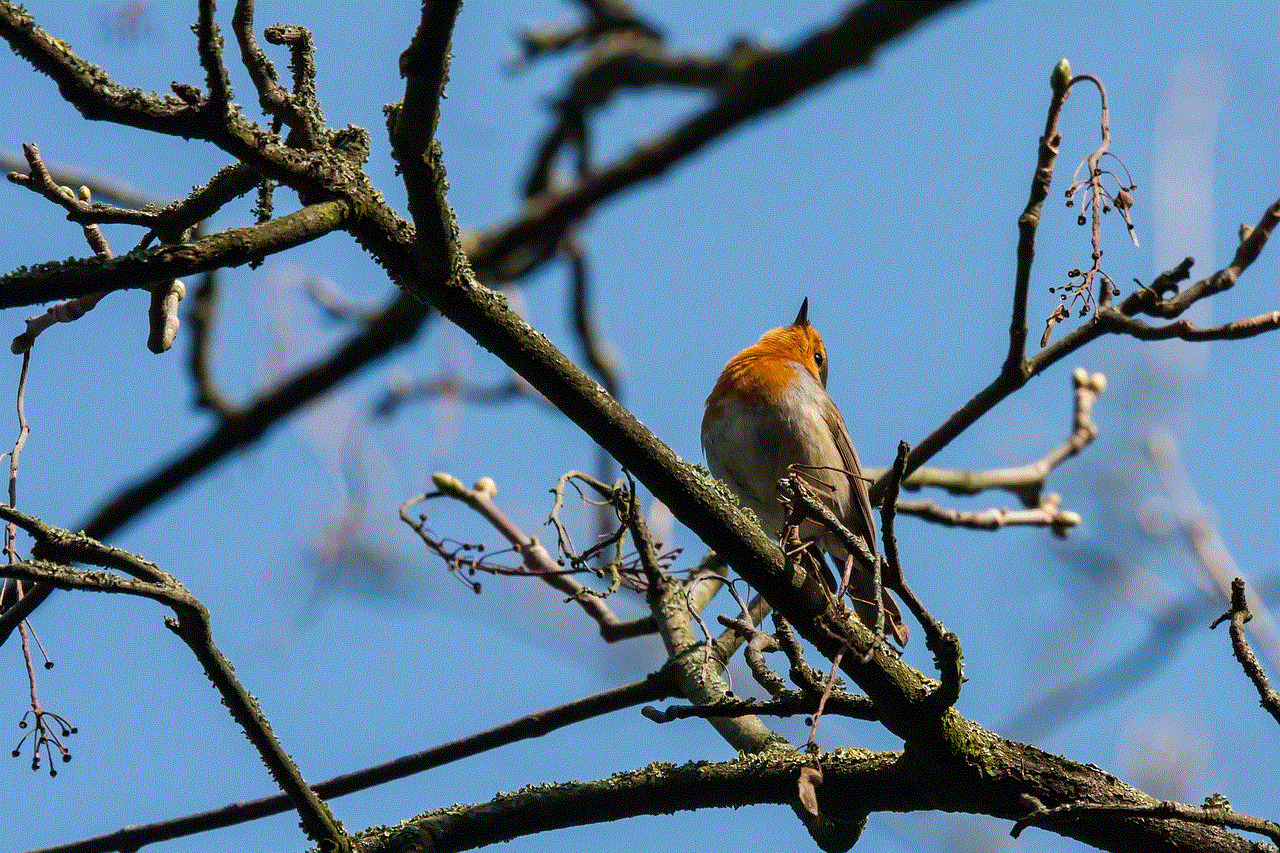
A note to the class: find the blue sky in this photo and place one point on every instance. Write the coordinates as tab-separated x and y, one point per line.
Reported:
889	198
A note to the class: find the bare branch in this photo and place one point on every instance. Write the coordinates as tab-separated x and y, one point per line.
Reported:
209	47
42	182
1080	289
945	645
1025	481
1188	331
535	558
1029	220
90	89
1239	614
1048	514
193	625
1212	815
1017	370
656	686
1252	239
787	704
1204	541
764	84
229	248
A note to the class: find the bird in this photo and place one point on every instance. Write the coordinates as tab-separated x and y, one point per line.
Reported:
770	410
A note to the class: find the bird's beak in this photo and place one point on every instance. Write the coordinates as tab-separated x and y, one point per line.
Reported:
802	319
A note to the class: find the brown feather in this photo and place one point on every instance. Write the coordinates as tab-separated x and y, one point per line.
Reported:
863	522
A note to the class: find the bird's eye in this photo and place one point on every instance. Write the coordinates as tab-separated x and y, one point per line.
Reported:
818	358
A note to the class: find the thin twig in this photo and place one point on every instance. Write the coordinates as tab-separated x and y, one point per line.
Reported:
804	506
1029	220
193	625
1204	541
1212	815
41	181
536	560
1239	614
654	687
599	355
209	48
786	704
828	686
1049	514
47	728
1026	481
758	643
1017	369
944	644
1080	289
1252	240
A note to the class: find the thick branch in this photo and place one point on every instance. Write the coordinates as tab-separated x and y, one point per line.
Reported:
854	782
89	89
949	742
491	255
700	683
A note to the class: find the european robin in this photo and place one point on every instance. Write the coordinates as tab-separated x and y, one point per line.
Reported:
770	410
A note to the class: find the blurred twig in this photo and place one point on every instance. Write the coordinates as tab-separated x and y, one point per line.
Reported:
1205	543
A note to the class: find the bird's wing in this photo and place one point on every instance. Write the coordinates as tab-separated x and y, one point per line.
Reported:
863	523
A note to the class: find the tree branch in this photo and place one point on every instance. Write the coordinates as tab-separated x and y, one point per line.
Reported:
193	625
230	248
656	686
855	782
1239	614
1018	370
